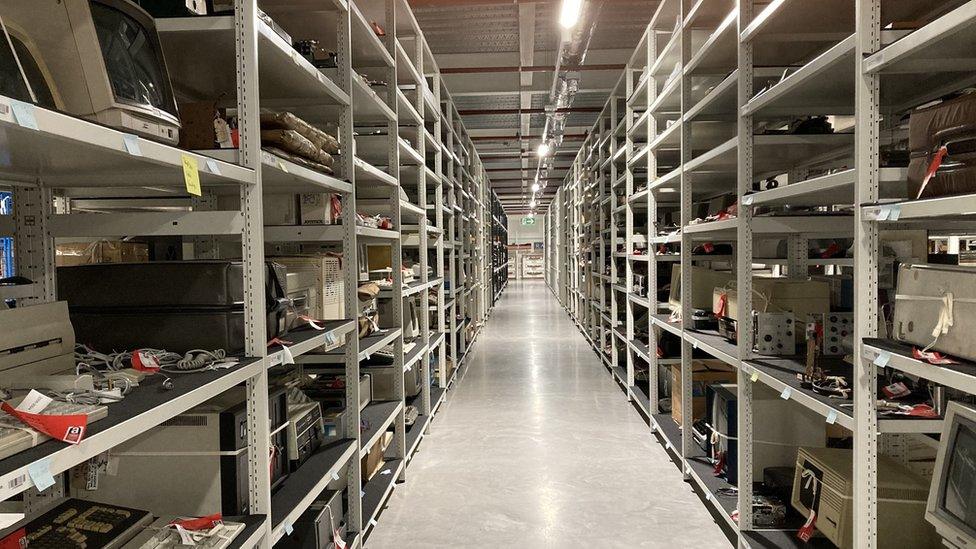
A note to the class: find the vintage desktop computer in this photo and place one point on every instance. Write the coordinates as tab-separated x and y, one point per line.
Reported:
824	482
98	59
952	498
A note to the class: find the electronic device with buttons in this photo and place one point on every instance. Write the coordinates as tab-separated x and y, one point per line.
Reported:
161	534
79	524
205	448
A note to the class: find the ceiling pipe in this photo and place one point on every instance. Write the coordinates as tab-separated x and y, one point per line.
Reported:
567	137
572	52
566	110
532	68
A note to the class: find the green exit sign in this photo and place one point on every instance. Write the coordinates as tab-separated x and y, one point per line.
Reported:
528	221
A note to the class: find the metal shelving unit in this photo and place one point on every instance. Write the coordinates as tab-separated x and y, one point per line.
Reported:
699	112
421	171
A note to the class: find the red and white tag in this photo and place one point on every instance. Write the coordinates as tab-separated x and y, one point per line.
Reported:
719	464
337	540
201	523
806	531
932	357
66	428
896	390
722	306
16	540
923	410
933	167
144	362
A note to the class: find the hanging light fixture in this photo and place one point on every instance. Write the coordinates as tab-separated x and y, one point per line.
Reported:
543	149
570	13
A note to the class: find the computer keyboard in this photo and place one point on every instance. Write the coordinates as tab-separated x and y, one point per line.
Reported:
17	437
85	525
159	535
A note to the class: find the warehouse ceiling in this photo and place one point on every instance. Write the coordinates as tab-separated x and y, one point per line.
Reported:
498	59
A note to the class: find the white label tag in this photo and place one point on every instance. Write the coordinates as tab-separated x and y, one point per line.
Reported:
883	213
747	200
24	114
185	537
407	368
40	474
34	402
386	472
895	213
286	356
787	391
282	166
288	528
831	417
131	143
882	359
212	166
362	494
335	476
372	522
112	467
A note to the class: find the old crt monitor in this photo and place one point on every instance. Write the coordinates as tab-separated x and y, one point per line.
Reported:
98	59
952	497
824	482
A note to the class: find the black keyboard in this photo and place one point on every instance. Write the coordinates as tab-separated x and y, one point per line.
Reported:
85	525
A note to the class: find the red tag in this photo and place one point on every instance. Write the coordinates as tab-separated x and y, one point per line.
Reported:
932	357
143	362
720	464
923	410
831	251
277	341
806	531
16	540
202	523
66	428
933	167
722	306
660	352
708	247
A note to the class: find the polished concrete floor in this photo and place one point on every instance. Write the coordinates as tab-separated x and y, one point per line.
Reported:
537	446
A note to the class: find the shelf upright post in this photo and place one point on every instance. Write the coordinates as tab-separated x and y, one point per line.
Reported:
866	139
629	220
651	284
442	272
687	279
744	271
396	253
614	315
350	275
424	243
33	245
252	250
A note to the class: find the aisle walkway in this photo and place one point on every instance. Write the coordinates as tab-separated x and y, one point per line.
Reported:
537	447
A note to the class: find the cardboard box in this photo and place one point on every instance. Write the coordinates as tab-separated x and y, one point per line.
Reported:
281	209
372	462
102	251
704	372
321	209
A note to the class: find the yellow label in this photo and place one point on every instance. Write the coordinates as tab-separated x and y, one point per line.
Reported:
191	175
755	377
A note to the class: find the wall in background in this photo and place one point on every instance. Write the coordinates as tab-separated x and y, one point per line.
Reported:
526	234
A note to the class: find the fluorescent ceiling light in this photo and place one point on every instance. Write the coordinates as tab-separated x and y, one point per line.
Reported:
535	187
570	13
